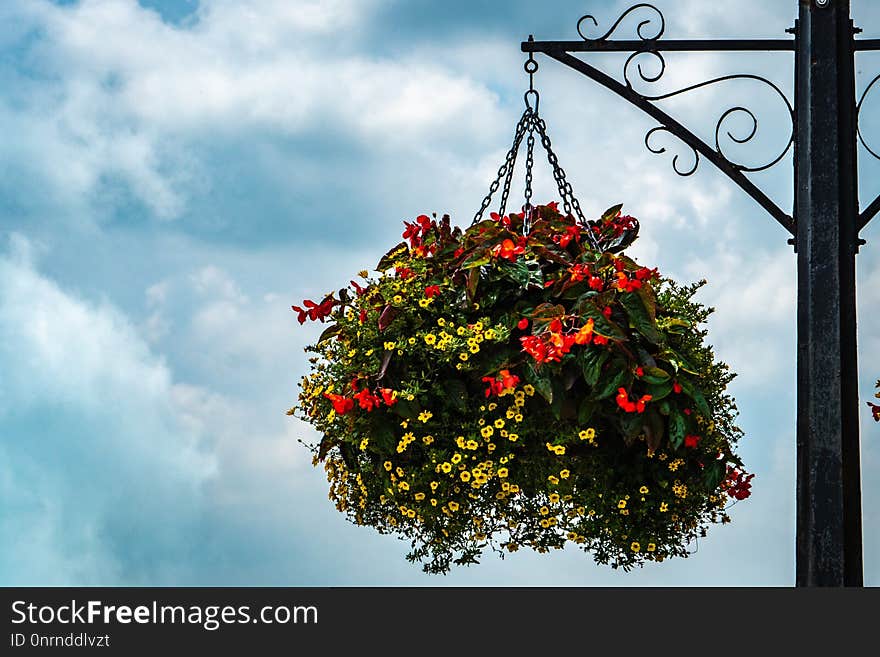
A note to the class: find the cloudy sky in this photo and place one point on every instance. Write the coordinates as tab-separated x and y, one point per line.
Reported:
176	173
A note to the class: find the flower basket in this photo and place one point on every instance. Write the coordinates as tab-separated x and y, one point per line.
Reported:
510	386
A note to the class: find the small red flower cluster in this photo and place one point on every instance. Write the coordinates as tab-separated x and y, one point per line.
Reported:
366	399
617	225
875	411
509	250
315	311
581	272
738	484
626	284
553	344
629	406
571	233
692	441
503	383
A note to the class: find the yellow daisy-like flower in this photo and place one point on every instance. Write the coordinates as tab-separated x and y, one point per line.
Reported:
456	458
460	330
474	349
621	504
560	450
509	414
441	321
388	465
513	437
446	467
472	444
430	338
518	417
499	423
651	547
502	473
564	474
403	485
463	356
419	497
453	506
424	416
544	510
487	431
664	507
643	490
411	513
428	440
553	479
411	341
554	498
397	298
489	334
571	536
364	443
635	547
529	389
545	523
465	476
390	346
493	406
424	303
434	485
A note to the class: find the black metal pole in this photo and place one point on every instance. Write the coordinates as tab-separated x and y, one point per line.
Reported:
829	532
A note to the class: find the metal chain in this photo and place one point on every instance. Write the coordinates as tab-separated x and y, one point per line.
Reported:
505	190
565	190
530	163
506	169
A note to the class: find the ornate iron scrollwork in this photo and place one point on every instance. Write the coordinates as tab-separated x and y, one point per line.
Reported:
658	15
859	115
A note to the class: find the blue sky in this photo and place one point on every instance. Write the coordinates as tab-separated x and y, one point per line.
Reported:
176	173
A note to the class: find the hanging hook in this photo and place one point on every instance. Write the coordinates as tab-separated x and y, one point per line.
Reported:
531	67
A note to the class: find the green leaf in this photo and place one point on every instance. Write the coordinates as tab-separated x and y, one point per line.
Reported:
654	427
601	325
633	426
692	391
655	375
611	212
659	391
621	378
585	411
456	392
477	260
542	383
329	332
522	273
713	475
387	261
639	317
592	361
677	429
472	282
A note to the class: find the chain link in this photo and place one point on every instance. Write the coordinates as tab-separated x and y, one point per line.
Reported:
505	169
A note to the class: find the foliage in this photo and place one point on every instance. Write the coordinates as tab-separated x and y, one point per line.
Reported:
490	389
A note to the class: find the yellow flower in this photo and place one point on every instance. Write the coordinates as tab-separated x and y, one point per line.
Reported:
397	298
502	473
446	467
475	348
518	417
403	485
424	416
434	485
499	423
460	330
493	406
463	355
456	458
453	506
643	490
364	443
387	465
411	340
621	504
489	334
651	547
664	507
554	498
529	389
424	303
428	440
635	547
487	431
544	510
553	480
433	502
545	523
441	321
472	444
420	497
571	536
465	476
430	338
390	345
564	474
513	437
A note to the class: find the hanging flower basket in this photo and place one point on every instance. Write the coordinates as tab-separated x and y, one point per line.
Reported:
495	389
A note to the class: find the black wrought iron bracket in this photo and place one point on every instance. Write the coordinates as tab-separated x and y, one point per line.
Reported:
649	30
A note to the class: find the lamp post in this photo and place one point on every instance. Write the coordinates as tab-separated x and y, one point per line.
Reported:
824	225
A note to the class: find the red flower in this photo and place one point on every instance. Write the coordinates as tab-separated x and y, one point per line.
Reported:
875	411
644	274
505	221
503	383
676	388
367	400
522	324
571	233
692	441
357	288
388	396
341	405
362	317
596	283
607	312
579	272
625	284
508	249
687	411
639	371
534	347
738	484
432	291
403	272
628	406
313	311
585	333
599	339
458	252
